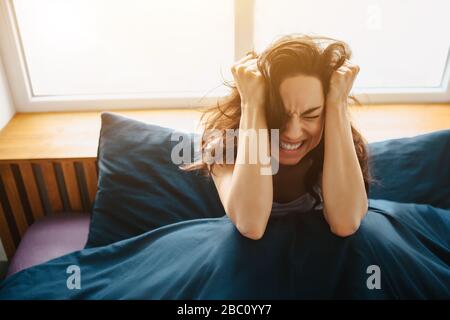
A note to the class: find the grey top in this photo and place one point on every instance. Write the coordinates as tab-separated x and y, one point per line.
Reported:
302	204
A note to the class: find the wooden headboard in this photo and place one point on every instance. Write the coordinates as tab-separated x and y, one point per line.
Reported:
32	189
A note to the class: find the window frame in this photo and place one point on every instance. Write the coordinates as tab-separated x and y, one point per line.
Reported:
25	101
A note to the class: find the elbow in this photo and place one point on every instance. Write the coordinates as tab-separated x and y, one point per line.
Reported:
252	226
344	230
252	230
253	234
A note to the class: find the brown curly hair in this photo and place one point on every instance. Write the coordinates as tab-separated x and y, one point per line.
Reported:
289	55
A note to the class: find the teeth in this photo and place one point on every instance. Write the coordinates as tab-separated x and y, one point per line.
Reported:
289	146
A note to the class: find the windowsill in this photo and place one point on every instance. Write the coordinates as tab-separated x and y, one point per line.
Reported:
59	135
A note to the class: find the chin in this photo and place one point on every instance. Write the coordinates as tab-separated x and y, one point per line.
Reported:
290	161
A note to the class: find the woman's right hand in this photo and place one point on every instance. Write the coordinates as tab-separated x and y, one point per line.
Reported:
249	81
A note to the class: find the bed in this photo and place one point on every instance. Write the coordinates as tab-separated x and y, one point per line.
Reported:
156	232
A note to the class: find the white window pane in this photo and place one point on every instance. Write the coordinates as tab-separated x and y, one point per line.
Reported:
397	43
126	46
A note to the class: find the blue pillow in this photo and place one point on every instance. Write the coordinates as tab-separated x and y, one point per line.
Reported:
139	187
413	169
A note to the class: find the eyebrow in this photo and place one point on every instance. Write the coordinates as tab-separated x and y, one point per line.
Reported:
310	110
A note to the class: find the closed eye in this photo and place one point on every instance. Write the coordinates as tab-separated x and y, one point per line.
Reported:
287	115
313	117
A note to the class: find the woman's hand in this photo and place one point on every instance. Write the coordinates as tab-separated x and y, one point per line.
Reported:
249	81
341	82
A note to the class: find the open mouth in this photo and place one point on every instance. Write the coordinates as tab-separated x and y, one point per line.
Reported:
291	146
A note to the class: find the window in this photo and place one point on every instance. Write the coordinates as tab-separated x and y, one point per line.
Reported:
79	47
91	54
401	46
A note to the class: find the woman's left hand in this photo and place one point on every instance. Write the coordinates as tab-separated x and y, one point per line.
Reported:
341	82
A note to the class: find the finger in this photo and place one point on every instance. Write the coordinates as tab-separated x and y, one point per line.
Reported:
350	65
241	62
344	69
248	65
354	69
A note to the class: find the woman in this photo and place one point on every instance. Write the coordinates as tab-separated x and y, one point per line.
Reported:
300	85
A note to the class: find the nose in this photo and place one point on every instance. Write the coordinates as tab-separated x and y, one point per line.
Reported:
293	130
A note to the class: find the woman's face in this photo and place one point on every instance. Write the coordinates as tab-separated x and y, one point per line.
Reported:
303	101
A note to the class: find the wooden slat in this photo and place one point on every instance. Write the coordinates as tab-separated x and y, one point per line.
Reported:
48	174
5	234
14	198
90	174
26	171
70	180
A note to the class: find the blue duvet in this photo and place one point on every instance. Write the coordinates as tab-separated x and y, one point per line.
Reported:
400	251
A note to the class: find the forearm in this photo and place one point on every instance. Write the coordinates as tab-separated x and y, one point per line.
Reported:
251	193
344	194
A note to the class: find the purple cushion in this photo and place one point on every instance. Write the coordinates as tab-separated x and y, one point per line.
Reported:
49	238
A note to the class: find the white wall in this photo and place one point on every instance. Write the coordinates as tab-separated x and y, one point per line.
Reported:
6	103
6	113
